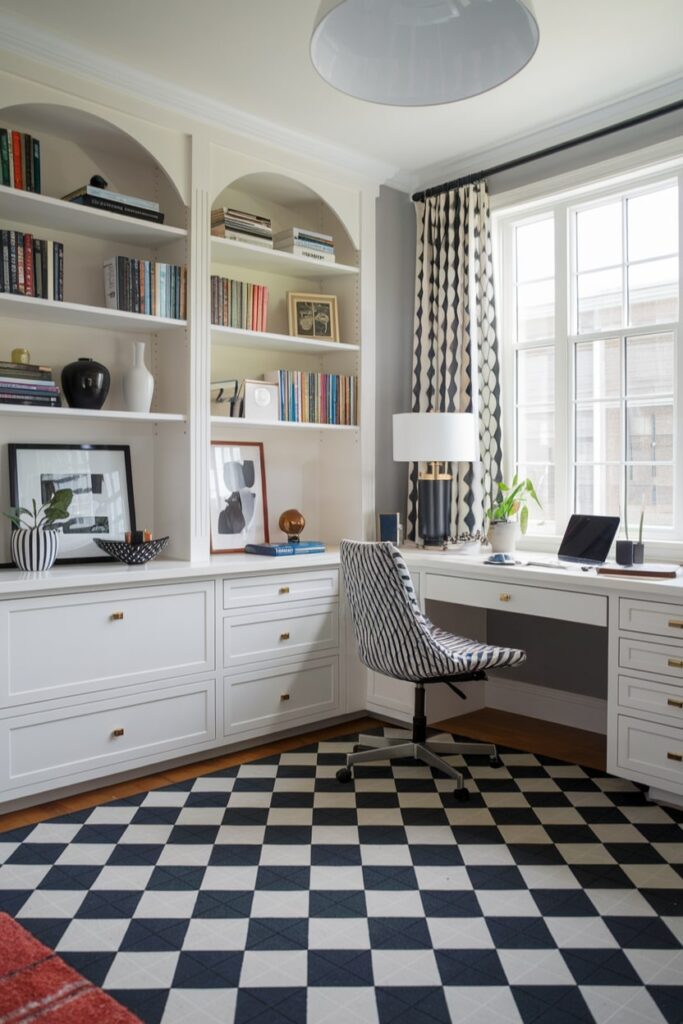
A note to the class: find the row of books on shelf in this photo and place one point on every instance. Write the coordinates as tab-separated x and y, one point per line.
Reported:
24	384
115	202
19	160
313	245
31	266
238	304
307	397
144	286
239	226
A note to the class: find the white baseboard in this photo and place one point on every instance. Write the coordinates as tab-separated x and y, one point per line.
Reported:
572	709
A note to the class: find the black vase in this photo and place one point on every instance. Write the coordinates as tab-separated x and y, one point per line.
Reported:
85	383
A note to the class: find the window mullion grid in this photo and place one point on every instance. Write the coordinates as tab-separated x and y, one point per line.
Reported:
678	375
564	473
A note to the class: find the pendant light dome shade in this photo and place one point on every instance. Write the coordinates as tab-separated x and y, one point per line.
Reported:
413	53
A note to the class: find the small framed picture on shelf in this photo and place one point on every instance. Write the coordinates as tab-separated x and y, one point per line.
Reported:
102	483
238	500
313	316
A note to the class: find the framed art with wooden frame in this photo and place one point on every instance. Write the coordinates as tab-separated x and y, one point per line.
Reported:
313	316
238	499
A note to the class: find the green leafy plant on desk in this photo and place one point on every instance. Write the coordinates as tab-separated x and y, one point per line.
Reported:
511	500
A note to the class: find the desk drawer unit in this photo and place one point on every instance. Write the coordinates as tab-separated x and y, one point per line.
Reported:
272	634
664	620
659	659
650	749
526	600
652	697
86	740
281	589
80	643
258	700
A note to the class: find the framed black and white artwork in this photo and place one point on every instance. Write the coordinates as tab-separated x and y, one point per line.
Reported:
101	480
239	505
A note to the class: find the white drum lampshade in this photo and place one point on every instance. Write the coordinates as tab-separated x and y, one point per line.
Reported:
434	437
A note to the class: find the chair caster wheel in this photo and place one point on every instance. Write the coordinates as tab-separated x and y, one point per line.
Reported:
495	761
344	775
461	795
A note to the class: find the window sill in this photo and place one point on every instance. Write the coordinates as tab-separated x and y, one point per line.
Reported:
655	550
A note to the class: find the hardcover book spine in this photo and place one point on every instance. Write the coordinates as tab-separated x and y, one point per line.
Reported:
29	276
16	156
36	166
27	154
4	157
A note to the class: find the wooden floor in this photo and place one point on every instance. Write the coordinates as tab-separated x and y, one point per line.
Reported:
528	734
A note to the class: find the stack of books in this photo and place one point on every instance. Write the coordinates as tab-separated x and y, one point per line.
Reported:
23	384
238	304
19	160
116	202
143	286
312	244
302	547
238	226
316	397
31	266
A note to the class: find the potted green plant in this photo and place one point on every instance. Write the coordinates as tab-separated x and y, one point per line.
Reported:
510	512
35	541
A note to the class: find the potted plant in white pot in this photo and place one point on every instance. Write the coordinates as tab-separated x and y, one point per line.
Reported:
511	501
34	541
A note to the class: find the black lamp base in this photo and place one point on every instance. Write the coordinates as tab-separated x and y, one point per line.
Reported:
434	500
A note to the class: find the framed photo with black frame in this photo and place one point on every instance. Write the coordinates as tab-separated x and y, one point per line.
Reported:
102	483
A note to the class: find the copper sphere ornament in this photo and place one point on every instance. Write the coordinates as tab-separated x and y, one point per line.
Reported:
292	523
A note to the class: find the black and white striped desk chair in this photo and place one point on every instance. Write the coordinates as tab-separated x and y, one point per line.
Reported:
395	638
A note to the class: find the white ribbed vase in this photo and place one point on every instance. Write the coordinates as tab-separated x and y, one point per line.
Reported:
138	382
34	550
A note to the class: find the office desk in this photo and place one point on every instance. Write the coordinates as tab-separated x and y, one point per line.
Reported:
644	623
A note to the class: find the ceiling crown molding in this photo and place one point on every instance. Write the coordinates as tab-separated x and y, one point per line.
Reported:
570	128
19	37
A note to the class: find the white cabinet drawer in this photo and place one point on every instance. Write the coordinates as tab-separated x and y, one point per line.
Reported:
652	697
257	700
661	659
77	643
280	588
653	751
48	746
271	634
649	617
513	597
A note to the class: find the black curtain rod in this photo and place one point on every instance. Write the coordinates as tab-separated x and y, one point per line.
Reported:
600	133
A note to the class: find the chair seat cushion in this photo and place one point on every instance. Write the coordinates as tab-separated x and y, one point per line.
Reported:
469	656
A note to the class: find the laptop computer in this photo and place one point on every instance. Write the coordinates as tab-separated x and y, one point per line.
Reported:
586	541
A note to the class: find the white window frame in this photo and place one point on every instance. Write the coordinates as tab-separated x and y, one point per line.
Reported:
560	197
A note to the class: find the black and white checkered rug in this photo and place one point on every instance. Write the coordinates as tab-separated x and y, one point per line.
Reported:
269	894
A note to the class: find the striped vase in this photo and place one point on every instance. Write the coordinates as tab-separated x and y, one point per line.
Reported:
34	550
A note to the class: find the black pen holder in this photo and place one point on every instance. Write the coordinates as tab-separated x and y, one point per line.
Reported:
624	552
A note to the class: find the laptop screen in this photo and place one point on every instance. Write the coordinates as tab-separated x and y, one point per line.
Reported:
588	539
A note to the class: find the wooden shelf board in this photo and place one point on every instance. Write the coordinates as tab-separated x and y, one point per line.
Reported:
235	337
273	261
239	424
94	414
57	215
77	315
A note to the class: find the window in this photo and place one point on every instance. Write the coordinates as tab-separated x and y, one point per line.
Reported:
591	313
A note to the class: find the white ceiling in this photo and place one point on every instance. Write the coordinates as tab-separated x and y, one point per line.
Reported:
252	55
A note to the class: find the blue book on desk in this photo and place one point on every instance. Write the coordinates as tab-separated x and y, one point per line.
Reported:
304	547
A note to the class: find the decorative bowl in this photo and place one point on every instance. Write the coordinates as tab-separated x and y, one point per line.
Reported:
132	554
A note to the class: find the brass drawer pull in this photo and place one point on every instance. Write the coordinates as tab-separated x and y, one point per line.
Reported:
674	757
506	597
674	703
675	663
116	616
675	623
285	636
283	590
117	732
284	696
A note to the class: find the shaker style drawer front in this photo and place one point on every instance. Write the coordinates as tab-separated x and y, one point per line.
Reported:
526	600
652	697
254	700
280	589
648	617
86	738
653	750
660	659
262	636
65	645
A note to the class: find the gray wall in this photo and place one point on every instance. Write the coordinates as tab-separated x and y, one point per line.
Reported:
395	286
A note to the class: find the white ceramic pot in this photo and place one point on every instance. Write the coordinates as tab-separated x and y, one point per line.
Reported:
138	382
503	536
34	550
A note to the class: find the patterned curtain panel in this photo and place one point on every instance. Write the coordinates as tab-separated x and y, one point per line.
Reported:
455	351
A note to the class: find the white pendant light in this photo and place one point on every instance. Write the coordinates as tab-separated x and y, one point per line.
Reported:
413	53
